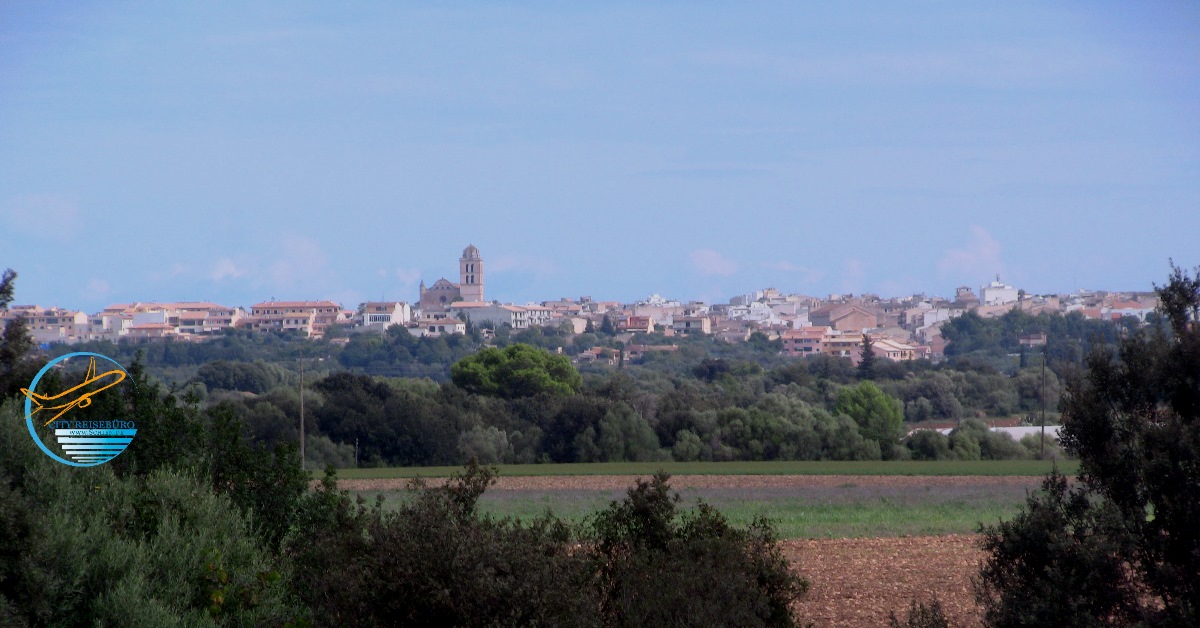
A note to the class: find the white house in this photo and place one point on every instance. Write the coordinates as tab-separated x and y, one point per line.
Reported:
384	313
434	327
515	316
996	293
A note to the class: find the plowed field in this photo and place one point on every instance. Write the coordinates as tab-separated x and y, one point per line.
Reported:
858	582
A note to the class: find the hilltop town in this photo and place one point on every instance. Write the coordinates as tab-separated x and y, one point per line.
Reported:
899	328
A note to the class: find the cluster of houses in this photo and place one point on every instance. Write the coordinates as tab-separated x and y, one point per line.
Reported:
904	328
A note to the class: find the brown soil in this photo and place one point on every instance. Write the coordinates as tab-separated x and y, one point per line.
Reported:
858	582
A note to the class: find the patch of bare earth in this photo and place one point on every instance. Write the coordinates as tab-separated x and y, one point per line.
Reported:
858	582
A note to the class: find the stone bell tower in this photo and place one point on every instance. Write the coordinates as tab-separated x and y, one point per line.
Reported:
470	274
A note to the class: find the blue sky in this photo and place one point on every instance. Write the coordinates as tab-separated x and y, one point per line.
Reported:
209	151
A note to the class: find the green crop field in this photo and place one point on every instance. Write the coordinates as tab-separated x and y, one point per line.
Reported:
946	467
867	509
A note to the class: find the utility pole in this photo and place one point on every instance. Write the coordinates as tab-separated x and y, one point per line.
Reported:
302	461
1042	456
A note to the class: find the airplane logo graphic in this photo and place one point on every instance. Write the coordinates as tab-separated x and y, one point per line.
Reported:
77	397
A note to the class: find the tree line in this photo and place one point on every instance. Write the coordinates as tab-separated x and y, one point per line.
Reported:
521	404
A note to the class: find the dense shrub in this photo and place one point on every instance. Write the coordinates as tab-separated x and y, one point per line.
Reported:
86	547
436	561
660	567
921	615
929	445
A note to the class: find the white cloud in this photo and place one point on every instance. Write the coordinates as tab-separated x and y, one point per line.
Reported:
43	216
978	257
807	275
299	260
853	275
294	262
520	263
226	268
174	270
710	262
407	276
96	289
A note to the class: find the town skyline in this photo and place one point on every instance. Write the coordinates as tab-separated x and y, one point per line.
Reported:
902	327
496	295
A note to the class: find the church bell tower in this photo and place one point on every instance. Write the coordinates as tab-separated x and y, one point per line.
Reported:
470	274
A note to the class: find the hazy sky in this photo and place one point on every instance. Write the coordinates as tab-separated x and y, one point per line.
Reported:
209	151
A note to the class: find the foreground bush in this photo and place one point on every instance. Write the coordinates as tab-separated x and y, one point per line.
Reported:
436	560
85	547
659	567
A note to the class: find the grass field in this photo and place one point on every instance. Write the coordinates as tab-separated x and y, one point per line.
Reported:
869	506
945	467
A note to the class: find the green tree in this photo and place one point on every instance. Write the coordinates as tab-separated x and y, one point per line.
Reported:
1178	298
929	445
519	370
866	359
711	370
6	288
624	435
15	343
1122	545
879	416
687	446
659	567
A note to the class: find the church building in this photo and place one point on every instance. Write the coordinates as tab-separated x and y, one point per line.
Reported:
469	288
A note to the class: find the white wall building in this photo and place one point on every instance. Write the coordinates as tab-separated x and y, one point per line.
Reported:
515	316
997	293
384	314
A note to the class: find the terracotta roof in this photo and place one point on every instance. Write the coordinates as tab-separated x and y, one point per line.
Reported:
269	304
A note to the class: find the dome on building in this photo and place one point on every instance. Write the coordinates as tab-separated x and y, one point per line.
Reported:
470	252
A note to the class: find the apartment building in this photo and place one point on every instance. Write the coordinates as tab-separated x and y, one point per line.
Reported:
804	341
515	316
691	325
311	318
47	325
